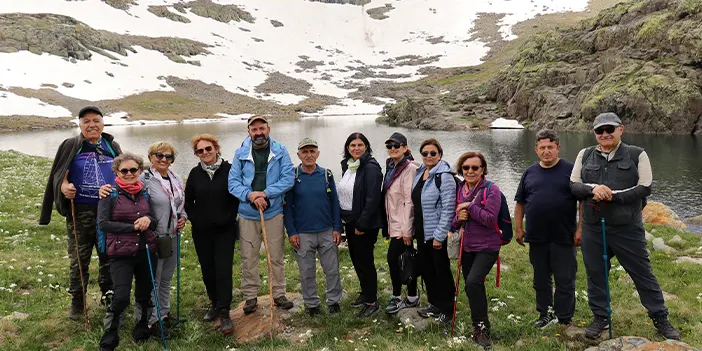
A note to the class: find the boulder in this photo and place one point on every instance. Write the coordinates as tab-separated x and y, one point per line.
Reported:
635	343
660	214
649	236
659	245
16	316
694	220
409	316
688	259
257	325
676	240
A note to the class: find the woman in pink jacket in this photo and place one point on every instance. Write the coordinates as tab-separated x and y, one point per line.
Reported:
397	191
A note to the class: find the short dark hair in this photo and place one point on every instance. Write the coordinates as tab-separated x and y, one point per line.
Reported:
471	154
352	137
432	141
549	134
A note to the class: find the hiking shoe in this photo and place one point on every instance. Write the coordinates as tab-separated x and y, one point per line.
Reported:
409	304
430	311
250	305
76	311
313	311
481	336
665	328
211	314
156	330
283	302
565	321
443	318
358	302
596	327
368	310
545	321
141	333
394	305
106	298
334	309
225	323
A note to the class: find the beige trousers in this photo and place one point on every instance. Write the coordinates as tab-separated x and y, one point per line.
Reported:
251	239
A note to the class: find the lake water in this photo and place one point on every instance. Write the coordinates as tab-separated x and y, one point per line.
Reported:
677	166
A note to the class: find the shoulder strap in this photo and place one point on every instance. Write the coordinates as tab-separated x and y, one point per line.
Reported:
587	154
109	148
437	180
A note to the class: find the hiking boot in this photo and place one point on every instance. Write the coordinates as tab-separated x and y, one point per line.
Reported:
368	310
211	314
358	302
545	321
481	336
443	318
225	323
334	309
283	302
596	327
76	311
141	333
394	305
313	311
430	311
665	328
106	299
250	306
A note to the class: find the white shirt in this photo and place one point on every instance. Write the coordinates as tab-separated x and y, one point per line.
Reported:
345	190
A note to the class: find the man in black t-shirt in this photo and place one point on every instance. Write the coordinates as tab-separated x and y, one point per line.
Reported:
552	230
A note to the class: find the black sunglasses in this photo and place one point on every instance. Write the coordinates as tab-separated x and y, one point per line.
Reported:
124	171
393	146
202	151
608	128
161	155
427	153
473	167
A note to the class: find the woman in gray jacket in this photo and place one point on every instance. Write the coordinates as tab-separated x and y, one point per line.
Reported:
434	199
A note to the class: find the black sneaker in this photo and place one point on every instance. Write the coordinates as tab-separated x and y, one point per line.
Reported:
106	298
359	301
430	311
545	321
225	323
394	305
76	311
368	310
443	318
250	305
283	302
211	314
565	321
313	311
665	328
596	327
334	309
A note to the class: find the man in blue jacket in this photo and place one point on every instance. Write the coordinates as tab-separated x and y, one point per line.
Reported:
260	176
313	221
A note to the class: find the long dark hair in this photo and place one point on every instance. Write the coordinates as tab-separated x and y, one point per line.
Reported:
352	137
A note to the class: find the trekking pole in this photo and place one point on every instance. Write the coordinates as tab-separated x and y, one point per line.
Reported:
458	281
80	266
158	308
178	320
606	269
270	270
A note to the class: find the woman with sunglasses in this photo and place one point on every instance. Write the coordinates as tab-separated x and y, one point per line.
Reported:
127	220
397	191
434	199
361	210
167	198
212	212
477	215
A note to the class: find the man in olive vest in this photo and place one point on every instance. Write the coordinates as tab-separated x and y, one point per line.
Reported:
613	180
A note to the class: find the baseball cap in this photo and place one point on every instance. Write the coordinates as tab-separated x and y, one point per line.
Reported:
256	118
607	119
88	109
398	138
307	142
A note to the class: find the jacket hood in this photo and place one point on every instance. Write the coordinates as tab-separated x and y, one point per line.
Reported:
441	167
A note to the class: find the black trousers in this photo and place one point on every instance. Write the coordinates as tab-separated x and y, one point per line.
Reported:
123	269
559	261
476	266
436	273
397	247
628	244
215	252
361	252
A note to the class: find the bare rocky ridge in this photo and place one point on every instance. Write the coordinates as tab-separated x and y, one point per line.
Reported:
120	4
379	13
351	2
163	11
218	12
278	83
487	30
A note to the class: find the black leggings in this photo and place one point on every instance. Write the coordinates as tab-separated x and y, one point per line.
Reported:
438	278
476	266
397	247
215	252
361	252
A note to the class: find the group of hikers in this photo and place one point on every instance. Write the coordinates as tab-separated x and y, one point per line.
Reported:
135	222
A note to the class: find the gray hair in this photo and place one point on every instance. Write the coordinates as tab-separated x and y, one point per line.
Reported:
127	156
549	134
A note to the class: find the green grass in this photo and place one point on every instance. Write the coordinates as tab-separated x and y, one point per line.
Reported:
34	269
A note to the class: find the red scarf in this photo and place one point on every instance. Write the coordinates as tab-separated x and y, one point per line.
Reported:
132	189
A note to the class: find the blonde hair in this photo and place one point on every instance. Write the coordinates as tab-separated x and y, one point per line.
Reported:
162	146
206	137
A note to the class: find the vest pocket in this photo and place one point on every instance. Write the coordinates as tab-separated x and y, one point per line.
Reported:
591	173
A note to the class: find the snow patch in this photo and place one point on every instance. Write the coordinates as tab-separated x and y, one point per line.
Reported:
502	123
12	104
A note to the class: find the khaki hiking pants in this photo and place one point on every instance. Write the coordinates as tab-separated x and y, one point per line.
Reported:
251	239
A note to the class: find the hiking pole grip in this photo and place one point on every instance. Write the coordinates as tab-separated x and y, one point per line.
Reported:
80	266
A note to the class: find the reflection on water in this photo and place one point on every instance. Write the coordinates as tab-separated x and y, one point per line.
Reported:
677	168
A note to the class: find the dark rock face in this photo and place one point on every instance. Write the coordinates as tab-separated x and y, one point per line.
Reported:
641	60
163	11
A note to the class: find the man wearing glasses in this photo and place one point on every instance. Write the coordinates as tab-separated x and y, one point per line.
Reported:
81	166
613	180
